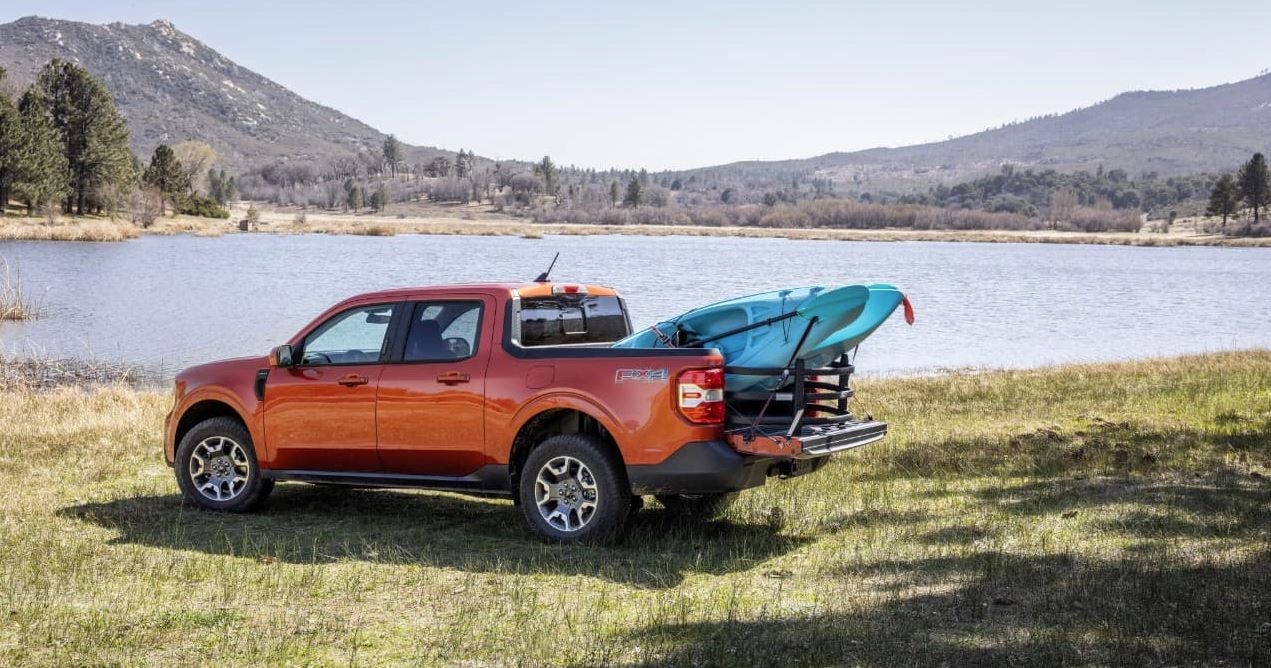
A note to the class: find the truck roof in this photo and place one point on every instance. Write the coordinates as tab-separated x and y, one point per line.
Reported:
522	289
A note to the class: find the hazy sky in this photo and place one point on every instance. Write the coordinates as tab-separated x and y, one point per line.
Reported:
682	84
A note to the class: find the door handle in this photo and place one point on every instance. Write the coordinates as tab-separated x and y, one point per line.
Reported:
353	380
453	378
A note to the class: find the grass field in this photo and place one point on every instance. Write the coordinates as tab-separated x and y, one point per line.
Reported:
1102	514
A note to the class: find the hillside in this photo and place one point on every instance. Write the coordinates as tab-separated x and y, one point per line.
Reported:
171	87
1170	132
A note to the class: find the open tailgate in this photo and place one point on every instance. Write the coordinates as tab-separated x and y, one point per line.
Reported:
806	417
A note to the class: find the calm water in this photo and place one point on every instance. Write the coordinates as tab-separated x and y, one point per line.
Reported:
167	302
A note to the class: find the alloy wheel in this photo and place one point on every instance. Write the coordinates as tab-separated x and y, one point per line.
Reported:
566	493
219	468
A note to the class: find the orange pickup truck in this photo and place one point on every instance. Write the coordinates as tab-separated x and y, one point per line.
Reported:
497	389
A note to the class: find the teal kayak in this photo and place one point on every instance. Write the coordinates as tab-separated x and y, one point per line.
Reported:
764	330
883	300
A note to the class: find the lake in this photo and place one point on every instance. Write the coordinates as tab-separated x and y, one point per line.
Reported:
167	302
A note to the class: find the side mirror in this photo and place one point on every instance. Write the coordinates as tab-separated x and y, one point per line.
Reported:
281	356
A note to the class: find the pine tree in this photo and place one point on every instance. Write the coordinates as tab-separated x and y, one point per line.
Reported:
1255	185
166	175
220	186
634	194
353	196
10	149
43	175
1224	198
94	135
614	193
216	187
551	179
392	153
379	198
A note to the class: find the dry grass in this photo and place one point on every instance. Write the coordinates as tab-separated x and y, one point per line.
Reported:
182	224
15	303
32	373
482	221
76	229
1100	514
376	230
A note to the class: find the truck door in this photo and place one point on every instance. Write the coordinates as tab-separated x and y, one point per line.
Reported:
431	401
320	414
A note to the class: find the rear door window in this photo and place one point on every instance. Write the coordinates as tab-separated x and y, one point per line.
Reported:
563	320
443	331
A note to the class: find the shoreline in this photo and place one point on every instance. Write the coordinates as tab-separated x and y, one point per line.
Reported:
46	373
481	221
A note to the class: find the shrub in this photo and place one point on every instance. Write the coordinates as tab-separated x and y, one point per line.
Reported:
198	205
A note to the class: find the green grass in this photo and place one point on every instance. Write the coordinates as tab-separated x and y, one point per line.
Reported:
1109	514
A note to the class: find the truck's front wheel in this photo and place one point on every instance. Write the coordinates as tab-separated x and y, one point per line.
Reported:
697	506
216	467
574	490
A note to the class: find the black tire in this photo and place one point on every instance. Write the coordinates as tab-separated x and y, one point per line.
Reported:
241	499
698	507
637	503
612	493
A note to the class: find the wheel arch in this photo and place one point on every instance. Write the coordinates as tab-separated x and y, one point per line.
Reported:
206	409
554	421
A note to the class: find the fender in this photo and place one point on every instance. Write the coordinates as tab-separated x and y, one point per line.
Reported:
554	399
251	418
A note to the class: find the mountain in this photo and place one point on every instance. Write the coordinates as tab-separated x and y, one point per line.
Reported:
171	87
1169	132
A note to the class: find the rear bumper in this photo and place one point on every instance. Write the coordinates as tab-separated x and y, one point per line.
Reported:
712	467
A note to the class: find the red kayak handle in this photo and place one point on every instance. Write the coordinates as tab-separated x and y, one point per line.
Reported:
909	309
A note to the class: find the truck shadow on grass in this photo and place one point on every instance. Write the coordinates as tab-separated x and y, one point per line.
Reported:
1091	445
304	524
1004	610
1164	569
1211	506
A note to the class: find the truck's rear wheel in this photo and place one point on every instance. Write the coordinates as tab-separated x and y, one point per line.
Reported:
574	490
697	506
216	467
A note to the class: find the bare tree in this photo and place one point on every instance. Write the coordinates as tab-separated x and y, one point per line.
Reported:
196	158
345	167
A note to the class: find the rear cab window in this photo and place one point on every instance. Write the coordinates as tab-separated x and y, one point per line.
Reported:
564	320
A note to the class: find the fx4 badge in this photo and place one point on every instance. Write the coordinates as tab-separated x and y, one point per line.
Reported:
640	376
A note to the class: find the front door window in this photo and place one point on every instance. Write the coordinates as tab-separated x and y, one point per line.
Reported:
355	336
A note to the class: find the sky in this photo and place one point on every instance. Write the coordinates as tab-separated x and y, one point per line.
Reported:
668	85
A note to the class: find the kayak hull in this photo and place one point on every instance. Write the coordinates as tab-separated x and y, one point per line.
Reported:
808	325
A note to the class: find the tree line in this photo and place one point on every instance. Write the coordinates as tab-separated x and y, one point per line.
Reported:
1034	193
64	144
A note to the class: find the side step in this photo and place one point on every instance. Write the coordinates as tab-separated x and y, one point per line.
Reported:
491	480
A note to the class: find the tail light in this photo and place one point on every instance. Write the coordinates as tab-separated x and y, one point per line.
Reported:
701	395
